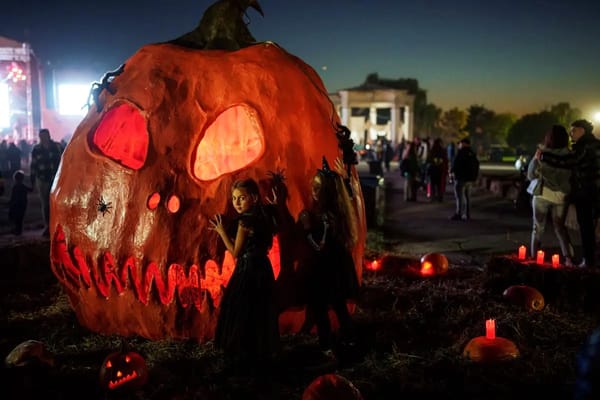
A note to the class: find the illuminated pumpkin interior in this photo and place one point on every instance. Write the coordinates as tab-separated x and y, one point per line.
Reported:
173	204
153	201
123	370
233	141
427	268
122	136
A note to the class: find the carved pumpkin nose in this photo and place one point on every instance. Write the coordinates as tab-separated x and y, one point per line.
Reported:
233	141
122	136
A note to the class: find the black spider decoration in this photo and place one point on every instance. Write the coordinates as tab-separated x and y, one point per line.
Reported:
103	206
346	144
97	87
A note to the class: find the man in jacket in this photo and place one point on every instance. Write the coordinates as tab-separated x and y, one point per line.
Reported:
585	183
45	158
465	170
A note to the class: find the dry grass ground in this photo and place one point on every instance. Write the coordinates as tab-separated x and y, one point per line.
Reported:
411	334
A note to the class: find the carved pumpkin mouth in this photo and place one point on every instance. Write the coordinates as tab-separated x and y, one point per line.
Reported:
77	271
193	288
121	381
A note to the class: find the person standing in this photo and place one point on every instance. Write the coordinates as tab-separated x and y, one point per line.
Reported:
551	199
13	155
585	183
247	326
18	202
45	158
331	277
465	170
437	170
409	168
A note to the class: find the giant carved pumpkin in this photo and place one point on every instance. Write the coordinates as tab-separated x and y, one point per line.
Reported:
154	160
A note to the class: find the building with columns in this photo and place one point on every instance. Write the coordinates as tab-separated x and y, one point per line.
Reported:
390	112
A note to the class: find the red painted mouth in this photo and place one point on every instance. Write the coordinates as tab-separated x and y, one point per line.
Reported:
74	271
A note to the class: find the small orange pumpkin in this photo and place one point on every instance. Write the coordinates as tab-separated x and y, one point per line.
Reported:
331	386
525	296
484	350
123	370
434	264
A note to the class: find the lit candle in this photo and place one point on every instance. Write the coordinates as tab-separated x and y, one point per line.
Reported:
540	257
490	329
555	260
522	252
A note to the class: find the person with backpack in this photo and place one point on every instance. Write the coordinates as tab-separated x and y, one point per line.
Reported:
465	170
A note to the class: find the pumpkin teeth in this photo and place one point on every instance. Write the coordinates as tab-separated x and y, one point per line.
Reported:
119	382
73	269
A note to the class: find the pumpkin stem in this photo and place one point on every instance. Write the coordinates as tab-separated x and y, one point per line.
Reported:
222	27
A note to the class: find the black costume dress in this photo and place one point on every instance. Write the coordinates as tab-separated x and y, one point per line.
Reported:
330	278
247	326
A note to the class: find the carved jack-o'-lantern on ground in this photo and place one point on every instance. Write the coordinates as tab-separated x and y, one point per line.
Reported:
155	159
123	370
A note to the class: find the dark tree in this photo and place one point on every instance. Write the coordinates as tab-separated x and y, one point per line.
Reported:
529	131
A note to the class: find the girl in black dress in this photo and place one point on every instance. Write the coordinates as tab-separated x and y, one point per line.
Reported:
247	326
331	276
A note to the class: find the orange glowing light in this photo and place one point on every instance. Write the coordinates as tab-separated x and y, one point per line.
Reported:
154	201
374	265
122	136
490	329
233	141
427	268
173	204
540	257
522	252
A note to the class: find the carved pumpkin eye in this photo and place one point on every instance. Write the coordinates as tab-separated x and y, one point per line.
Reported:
153	201
108	364
234	140
122	136
173	204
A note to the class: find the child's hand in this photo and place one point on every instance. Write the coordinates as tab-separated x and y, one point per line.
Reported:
272	201
216	224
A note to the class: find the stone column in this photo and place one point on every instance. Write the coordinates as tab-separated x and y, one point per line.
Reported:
345	116
372	120
394	114
409	120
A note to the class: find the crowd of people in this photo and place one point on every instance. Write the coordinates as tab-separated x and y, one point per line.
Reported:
43	159
429	165
564	172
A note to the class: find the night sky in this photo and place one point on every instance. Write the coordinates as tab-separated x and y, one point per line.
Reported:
511	56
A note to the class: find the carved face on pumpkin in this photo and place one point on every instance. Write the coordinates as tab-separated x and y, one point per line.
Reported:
123	370
177	128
